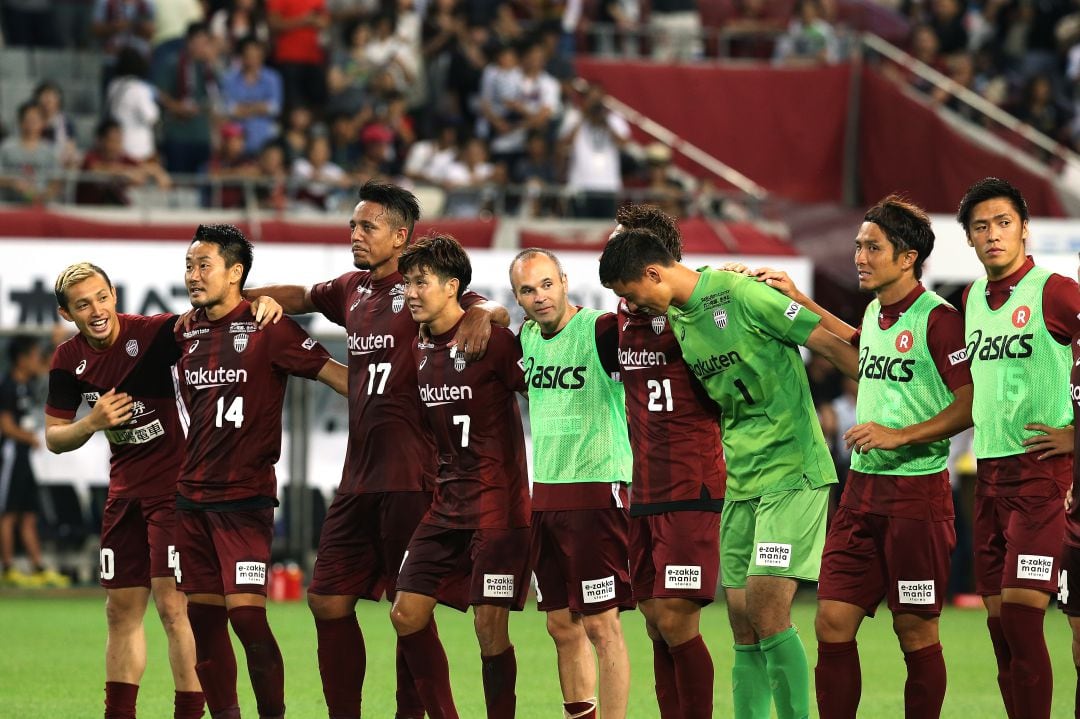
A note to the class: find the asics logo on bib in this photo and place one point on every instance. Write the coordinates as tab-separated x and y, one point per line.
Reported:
895	369
714	365
555	377
997	347
362	344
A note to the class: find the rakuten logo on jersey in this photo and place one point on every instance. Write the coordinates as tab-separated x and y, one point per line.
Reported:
203	377
640	359
715	364
894	369
997	347
365	344
444	394
555	377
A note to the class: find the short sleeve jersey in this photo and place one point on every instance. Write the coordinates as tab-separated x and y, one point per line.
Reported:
385	414
740	339
483	480
674	426
148	450
1072	526
232	377
17	399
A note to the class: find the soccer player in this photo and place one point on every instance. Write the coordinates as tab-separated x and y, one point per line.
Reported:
740	340
121	365
894	532
476	533
1019	321
381	498
19	502
232	376
582	465
1069	577
677	492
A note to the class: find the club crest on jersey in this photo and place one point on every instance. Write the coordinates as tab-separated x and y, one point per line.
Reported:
459	362
81	368
132	348
398	293
720	318
658	323
240	342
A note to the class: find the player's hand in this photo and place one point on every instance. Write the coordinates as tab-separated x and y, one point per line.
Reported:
777	279
870	435
111	410
425	333
1068	499
1053	442
473	334
735	267
185	321
266	310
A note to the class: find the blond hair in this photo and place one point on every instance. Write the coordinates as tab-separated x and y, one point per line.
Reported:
73	275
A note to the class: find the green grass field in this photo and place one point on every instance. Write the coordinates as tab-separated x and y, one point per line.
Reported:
52	662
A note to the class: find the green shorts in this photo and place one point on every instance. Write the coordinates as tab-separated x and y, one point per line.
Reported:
781	534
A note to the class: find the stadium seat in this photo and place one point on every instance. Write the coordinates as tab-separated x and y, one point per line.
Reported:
15	63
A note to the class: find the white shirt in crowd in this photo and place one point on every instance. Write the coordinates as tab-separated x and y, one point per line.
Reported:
594	153
130	101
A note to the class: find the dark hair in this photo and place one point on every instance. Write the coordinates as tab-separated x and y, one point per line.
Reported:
131	63
247	41
441	255
234	247
656	221
104	127
25	108
22	345
906	226
196	28
627	254
990	188
402	207
46	85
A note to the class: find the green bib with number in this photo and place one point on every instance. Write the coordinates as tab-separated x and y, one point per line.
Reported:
577	412
740	338
1020	371
899	385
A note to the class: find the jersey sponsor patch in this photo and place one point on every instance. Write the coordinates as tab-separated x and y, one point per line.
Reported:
682	576
958	356
773	554
917	592
1034	566
905	341
498	586
137	435
792	311
598	590
251	573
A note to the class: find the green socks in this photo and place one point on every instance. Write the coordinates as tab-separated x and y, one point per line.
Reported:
789	674
750	683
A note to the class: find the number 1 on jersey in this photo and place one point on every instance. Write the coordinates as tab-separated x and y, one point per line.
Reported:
382	369
464	421
741	386
234	414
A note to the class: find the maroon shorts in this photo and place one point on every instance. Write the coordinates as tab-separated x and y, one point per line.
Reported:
223	552
137	540
870	557
675	554
580	560
1068	595
1017	543
466	567
363	541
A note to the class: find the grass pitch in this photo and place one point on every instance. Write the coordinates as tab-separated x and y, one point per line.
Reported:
52	662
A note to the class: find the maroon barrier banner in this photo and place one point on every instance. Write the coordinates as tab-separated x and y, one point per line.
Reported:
781	127
904	146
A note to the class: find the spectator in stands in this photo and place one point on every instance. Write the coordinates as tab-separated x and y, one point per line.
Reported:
810	39
123	23
378	158
468	62
272	190
661	186
187	88
320	183
116	171
345	13
620	27
74	21
427	159
172	18
299	123
29	162
1041	110
252	95
505	28
468	180
439	34
593	136
298	53
676	26
535	173
395	115
349	74
499	88
232	167
19	504
947	19
239	19
59	129
345	147
754	24
29	23
534	103
132	102
387	50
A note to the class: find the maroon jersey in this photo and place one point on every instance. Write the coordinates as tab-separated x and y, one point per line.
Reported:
232	377
385	415
148	450
1072	525
1025	474
674	426
483	481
